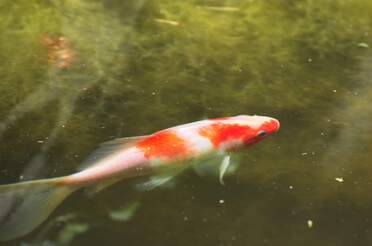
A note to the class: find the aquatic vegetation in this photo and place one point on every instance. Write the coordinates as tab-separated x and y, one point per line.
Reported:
69	229
60	53
70	232
125	213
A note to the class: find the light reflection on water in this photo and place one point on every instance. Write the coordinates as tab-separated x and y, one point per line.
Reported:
306	64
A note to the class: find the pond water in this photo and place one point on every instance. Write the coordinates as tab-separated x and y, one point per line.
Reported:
76	73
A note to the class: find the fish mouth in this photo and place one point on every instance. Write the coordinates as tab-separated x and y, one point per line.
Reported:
276	125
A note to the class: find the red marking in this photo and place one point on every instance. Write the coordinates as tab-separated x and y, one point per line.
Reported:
220	132
270	126
164	144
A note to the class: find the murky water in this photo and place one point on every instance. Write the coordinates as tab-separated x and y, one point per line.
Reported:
77	73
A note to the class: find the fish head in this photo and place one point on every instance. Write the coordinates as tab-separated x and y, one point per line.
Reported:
257	127
233	133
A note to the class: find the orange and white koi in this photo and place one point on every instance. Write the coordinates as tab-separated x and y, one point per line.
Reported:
25	205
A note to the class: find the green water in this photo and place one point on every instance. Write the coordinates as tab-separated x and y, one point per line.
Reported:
133	67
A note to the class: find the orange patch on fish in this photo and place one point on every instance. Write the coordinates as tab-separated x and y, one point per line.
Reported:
270	126
164	144
220	132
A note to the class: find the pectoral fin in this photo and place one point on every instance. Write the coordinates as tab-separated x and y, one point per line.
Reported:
217	166
207	166
223	168
90	191
153	183
163	176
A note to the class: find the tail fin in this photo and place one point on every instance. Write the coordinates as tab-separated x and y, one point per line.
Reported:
24	206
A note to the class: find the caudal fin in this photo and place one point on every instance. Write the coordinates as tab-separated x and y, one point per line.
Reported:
24	206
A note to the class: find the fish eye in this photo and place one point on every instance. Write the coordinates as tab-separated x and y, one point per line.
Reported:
261	134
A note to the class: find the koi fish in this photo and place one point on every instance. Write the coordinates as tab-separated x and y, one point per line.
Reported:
25	205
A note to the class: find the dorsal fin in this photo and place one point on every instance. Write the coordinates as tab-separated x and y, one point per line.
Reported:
123	141
107	148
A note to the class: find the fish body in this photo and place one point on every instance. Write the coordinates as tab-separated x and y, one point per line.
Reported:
177	144
25	205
